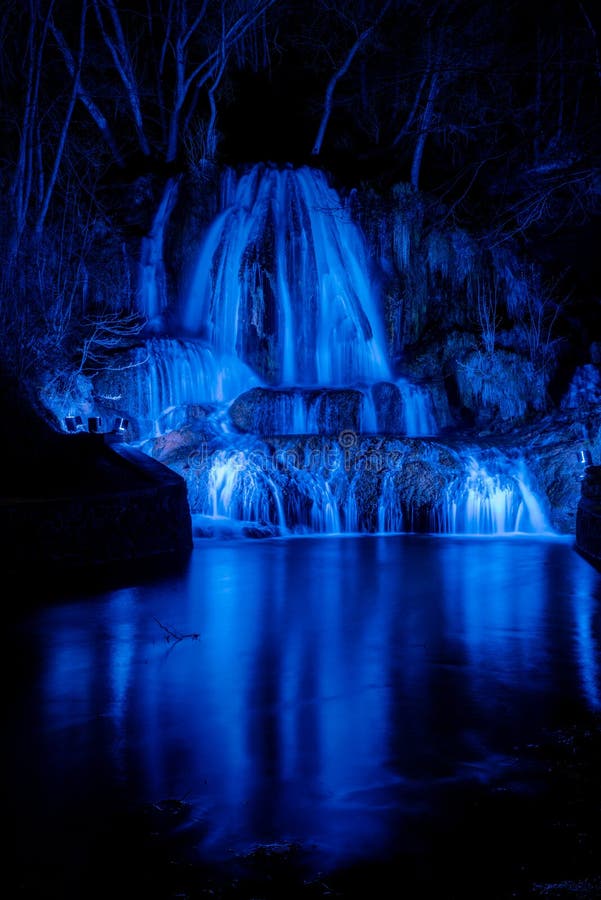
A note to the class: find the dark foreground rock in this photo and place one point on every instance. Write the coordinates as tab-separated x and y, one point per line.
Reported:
83	501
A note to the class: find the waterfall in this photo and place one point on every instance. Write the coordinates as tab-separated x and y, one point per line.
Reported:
167	373
321	486
390	513
419	418
281	372
272	411
484	502
283	281
239	489
400	408
152	293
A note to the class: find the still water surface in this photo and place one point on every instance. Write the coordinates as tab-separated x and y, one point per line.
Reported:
335	690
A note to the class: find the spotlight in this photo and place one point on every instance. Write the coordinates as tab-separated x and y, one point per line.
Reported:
94	423
585	458
73	424
120	425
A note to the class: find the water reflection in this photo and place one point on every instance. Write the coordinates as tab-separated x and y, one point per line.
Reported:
587	614
336	685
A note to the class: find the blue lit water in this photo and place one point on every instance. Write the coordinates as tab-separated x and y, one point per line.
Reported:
343	694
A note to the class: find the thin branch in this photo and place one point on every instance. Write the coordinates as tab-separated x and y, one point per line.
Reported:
176	636
340	73
124	66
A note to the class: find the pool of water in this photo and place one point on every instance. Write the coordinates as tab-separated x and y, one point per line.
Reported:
342	696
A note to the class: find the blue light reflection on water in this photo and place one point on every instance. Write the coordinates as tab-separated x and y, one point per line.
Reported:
336	685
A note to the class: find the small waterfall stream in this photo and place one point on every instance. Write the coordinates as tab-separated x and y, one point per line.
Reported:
284	335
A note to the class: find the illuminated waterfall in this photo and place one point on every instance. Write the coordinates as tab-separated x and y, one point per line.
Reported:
284	282
390	513
324	486
269	411
419	416
166	374
492	497
238	488
152	293
313	432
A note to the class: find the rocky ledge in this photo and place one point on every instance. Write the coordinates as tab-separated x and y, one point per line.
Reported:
83	501
588	516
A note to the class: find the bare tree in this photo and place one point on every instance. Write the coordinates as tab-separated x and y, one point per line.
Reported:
59	149
27	170
362	34
84	95
191	47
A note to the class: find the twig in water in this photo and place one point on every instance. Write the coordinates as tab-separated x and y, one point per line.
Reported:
176	636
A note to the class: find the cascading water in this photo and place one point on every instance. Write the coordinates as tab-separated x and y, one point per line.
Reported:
152	294
167	374
419	416
492	497
364	484
283	280
284	329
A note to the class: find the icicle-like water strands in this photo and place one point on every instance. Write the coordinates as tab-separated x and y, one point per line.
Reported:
419	418
390	513
284	282
152	292
370	485
239	488
485	503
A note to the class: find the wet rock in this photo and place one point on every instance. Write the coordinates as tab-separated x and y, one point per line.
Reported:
271	411
388	403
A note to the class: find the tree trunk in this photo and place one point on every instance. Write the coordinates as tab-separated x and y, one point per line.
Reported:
338	74
58	153
21	186
85	98
423	131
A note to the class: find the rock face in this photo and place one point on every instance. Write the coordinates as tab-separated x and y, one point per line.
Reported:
527	478
267	411
119	507
588	517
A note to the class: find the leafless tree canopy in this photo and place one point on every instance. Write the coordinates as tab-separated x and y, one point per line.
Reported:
492	109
